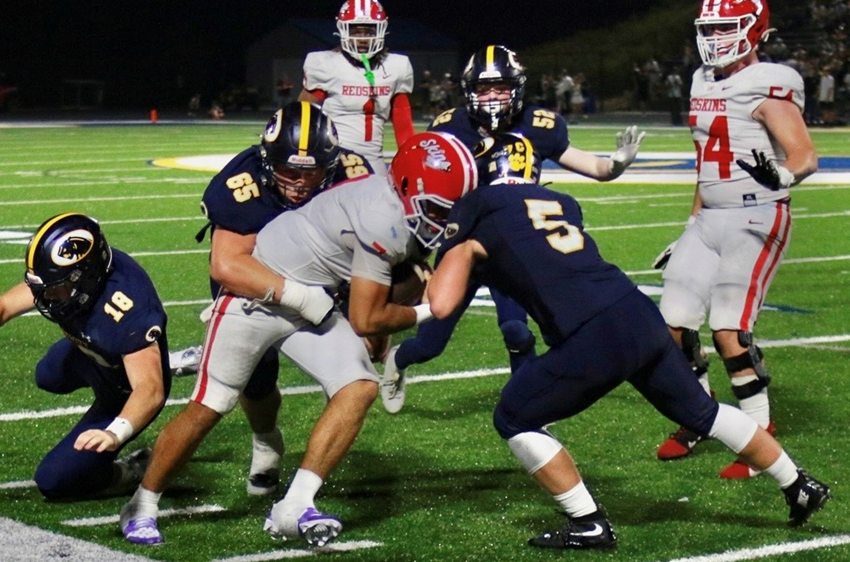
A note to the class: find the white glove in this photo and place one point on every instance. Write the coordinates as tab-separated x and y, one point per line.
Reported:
310	301
628	144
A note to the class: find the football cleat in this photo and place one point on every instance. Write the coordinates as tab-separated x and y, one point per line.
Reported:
592	531
678	445
317	528
805	497
263	484
133	467
186	361
393	385
142	531
739	470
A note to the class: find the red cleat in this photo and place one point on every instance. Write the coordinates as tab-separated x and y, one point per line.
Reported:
678	445
739	470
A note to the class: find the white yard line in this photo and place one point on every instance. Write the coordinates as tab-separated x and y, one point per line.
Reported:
285	554
110	519
24	543
309	389
770	550
18	484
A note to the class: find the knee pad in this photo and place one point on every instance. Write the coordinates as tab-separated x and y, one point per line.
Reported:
518	337
750	359
534	449
694	352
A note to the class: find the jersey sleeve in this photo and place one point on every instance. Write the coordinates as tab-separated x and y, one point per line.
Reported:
235	198
317	75
547	131
380	246
404	84
776	81
352	166
130	316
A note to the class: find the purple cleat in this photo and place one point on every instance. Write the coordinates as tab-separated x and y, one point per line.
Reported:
142	531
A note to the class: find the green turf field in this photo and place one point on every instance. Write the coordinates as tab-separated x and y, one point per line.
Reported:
435	482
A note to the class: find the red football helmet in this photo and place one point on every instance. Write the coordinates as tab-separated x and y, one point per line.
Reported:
728	30
430	172
367	20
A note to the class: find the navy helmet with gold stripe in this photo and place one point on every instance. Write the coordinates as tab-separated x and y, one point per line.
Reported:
300	149
507	158
493	68
68	261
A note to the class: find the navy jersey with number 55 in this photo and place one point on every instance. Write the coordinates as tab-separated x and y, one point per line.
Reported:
539	255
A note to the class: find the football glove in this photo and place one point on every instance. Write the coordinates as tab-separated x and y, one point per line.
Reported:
767	173
628	144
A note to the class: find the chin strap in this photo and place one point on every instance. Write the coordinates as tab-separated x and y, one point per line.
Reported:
370	76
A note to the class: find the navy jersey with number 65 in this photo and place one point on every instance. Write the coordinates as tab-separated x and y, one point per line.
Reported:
240	199
539	255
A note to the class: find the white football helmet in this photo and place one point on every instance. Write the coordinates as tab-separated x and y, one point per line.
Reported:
728	30
365	13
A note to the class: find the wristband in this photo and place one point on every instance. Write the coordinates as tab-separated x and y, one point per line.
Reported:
121	428
293	294
423	313
786	178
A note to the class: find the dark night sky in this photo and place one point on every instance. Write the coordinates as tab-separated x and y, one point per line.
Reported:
147	40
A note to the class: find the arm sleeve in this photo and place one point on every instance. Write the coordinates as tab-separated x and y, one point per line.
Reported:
402	118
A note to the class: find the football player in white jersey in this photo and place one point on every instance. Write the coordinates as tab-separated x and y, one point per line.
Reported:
752	146
361	85
354	233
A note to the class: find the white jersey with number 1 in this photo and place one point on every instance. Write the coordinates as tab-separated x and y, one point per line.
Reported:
358	109
724	131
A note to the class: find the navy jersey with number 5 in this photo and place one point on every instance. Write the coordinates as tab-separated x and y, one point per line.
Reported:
539	255
546	130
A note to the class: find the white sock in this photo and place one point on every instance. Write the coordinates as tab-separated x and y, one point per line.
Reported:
267	449
147	502
758	406
303	488
577	501
784	471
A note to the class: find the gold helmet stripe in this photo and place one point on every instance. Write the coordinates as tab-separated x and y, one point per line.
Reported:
304	141
38	236
491	54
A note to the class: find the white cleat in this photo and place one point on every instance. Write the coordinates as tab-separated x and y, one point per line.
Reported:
393	385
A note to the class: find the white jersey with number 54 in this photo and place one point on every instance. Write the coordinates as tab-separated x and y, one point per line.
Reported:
724	131
358	110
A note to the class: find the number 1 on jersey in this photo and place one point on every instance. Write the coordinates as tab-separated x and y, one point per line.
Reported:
369	113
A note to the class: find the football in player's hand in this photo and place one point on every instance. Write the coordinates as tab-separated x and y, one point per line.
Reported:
409	280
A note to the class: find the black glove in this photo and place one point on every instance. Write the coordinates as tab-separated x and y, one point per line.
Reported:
767	173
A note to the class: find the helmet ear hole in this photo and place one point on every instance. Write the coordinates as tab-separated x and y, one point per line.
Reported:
403	185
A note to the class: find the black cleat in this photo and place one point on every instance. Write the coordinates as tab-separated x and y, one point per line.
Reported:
805	496
593	531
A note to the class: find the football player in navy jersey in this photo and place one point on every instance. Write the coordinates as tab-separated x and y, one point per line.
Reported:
493	84
115	344
528	242
297	158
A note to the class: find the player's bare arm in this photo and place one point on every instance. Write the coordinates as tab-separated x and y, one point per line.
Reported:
371	313
15	302
312	97
604	169
144	371
448	284
785	123
233	267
